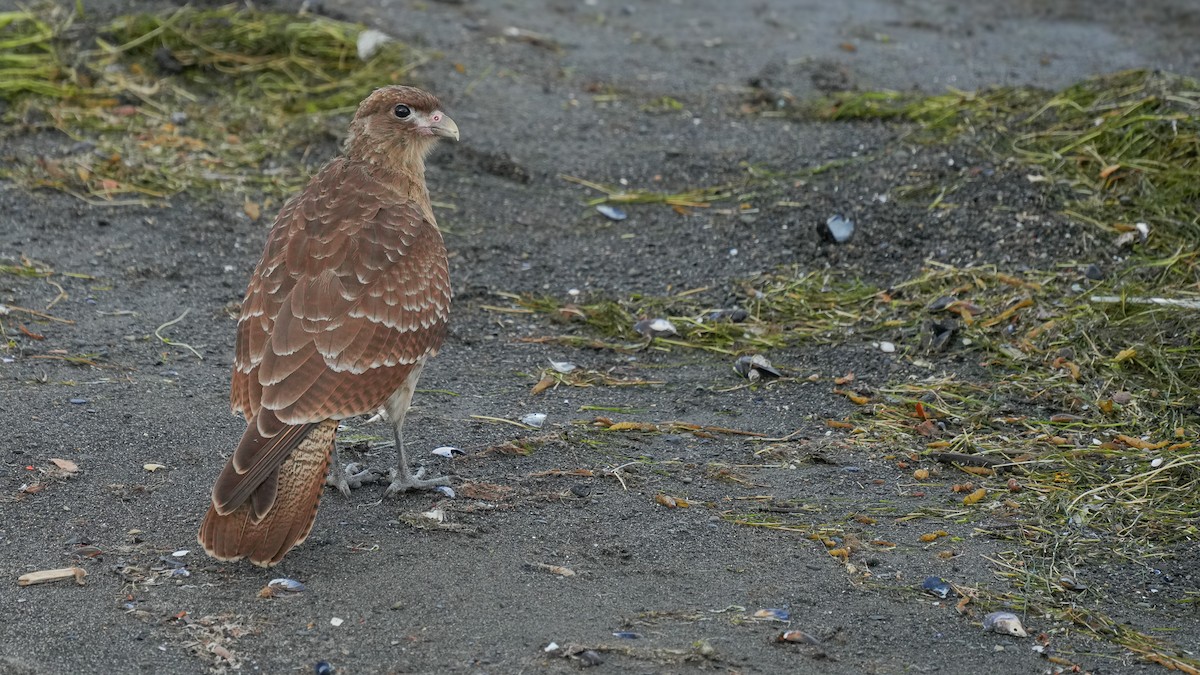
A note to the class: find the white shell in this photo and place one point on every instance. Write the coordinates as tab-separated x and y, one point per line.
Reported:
611	212
1005	623
535	420
662	326
447	451
563	367
335	622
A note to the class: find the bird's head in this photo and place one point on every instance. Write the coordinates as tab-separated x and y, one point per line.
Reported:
396	125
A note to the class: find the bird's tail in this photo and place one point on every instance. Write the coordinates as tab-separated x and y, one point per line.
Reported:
264	530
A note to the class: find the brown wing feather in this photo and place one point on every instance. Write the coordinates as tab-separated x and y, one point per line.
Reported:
352	290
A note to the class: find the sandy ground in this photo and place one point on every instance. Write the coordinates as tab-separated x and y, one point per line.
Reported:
477	598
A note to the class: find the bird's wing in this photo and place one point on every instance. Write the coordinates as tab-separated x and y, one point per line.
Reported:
352	290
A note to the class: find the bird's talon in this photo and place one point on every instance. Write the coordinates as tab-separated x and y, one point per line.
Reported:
403	483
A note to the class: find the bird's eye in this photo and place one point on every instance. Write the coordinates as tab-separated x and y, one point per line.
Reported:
402	111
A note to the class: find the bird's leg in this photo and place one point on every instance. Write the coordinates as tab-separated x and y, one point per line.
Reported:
350	477
403	479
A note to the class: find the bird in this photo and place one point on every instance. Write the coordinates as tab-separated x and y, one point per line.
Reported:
349	300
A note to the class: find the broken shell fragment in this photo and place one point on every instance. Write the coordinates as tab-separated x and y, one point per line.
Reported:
773	614
611	212
797	636
535	420
284	585
447	451
655	327
837	229
1005	623
936	586
754	367
445	490
47	576
563	367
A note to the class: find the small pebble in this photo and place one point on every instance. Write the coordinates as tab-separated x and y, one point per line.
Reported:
323	668
79	401
591	658
887	347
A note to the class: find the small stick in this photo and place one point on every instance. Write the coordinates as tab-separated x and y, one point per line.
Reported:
62	295
47	576
42	315
168	341
1185	303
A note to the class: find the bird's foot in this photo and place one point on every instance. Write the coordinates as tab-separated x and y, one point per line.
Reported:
403	481
352	477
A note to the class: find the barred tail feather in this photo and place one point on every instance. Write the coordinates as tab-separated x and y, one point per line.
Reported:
245	531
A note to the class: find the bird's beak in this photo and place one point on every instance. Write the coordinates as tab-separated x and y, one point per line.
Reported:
443	126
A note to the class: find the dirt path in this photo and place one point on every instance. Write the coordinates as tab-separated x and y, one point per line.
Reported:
575	97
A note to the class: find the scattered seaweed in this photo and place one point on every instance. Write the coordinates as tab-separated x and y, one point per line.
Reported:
1076	412
224	98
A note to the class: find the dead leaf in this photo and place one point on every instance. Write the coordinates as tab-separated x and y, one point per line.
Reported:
252	210
1125	355
488	492
65	464
542	385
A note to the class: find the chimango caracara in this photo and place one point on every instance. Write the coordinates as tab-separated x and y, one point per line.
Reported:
348	302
